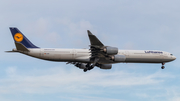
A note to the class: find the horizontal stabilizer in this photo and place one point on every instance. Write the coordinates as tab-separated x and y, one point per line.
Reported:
11	51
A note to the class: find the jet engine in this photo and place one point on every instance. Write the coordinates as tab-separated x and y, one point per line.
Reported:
118	58
110	50
106	66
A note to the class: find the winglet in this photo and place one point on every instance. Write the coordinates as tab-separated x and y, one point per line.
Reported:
94	40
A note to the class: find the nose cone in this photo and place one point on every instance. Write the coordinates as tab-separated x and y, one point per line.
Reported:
174	58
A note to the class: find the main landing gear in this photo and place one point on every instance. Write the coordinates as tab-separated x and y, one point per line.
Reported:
163	66
88	67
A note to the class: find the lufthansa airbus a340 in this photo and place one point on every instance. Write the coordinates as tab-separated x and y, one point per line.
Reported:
98	55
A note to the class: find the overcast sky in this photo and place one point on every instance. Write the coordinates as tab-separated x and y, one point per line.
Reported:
126	24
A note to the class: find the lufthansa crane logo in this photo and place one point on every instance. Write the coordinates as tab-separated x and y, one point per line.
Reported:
18	37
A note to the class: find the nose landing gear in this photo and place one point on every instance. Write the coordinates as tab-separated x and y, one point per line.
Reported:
163	66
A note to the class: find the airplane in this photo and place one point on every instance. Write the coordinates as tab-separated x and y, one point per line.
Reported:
98	55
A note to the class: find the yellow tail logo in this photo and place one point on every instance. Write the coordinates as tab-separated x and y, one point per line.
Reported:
18	37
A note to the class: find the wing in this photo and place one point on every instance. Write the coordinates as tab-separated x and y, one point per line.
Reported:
97	49
94	40
101	56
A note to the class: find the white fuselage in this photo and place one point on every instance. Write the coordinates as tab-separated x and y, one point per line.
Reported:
83	55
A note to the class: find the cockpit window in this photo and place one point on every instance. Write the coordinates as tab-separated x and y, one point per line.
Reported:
171	54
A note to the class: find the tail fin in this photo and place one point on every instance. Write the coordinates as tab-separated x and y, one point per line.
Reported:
21	42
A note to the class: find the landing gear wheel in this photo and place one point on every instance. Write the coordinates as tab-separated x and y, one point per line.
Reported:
91	67
85	70
162	67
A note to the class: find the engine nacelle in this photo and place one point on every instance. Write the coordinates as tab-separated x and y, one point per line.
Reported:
106	66
81	65
118	58
110	50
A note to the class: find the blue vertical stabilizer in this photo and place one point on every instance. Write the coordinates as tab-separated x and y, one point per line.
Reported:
20	38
